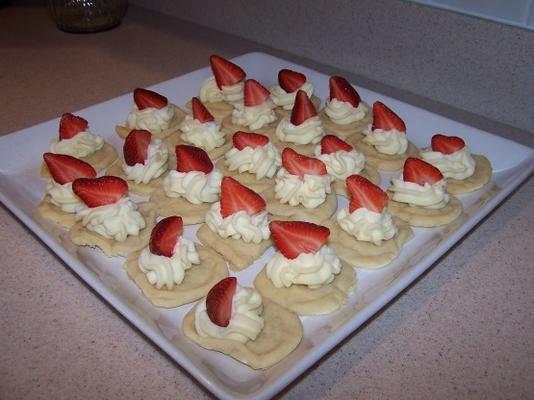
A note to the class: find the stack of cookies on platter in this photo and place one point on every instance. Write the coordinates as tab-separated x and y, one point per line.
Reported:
253	169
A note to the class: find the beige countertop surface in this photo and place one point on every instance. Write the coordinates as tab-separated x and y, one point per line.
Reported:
465	329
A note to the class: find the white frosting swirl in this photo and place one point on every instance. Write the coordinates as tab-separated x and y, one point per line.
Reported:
113	221
254	117
245	324
263	161
344	113
163	271
202	134
458	165
342	164
311	269
195	186
386	142
234	94
428	196
152	119
367	225
82	144
287	100
155	164
210	92
63	197
310	131
241	225
310	191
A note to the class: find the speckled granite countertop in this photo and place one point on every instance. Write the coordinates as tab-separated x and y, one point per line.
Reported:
463	330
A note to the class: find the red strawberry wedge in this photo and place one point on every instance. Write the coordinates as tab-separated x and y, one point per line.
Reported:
200	112
342	90
248	139
70	125
66	169
236	197
420	172
290	80
384	118
100	191
145	98
303	108
219	301
191	158
293	238
226	73
331	144
447	144
300	165
135	148
365	194
165	235
255	93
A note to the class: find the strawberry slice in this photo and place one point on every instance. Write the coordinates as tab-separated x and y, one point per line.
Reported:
219	301
70	125
248	139
191	158
300	165
236	197
384	118
342	90
303	108
255	93
64	168
135	148
100	191
226	73
200	112
420	172
165	235
145	98
290	80
447	144
365	194
296	237
331	144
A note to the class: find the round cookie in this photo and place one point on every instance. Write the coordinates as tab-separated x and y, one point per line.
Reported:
81	236
283	113
426	217
219	110
354	128
231	128
49	212
382	162
175	139
340	186
281	334
480	177
246	178
305	301
198	279
167	206
179	116
143	189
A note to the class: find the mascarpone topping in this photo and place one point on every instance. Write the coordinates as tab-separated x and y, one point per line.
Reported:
428	196
113	221
263	161
233	94
63	197
310	191
206	135
341	164
152	119
458	165
367	225
155	164
386	142
287	100
82	144
311	269
245	324
210	92
240	225
167	272
310	131
195	186
254	117
344	113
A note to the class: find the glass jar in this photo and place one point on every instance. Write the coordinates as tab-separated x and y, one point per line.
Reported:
87	15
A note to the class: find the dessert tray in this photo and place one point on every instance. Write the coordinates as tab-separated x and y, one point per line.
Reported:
21	190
